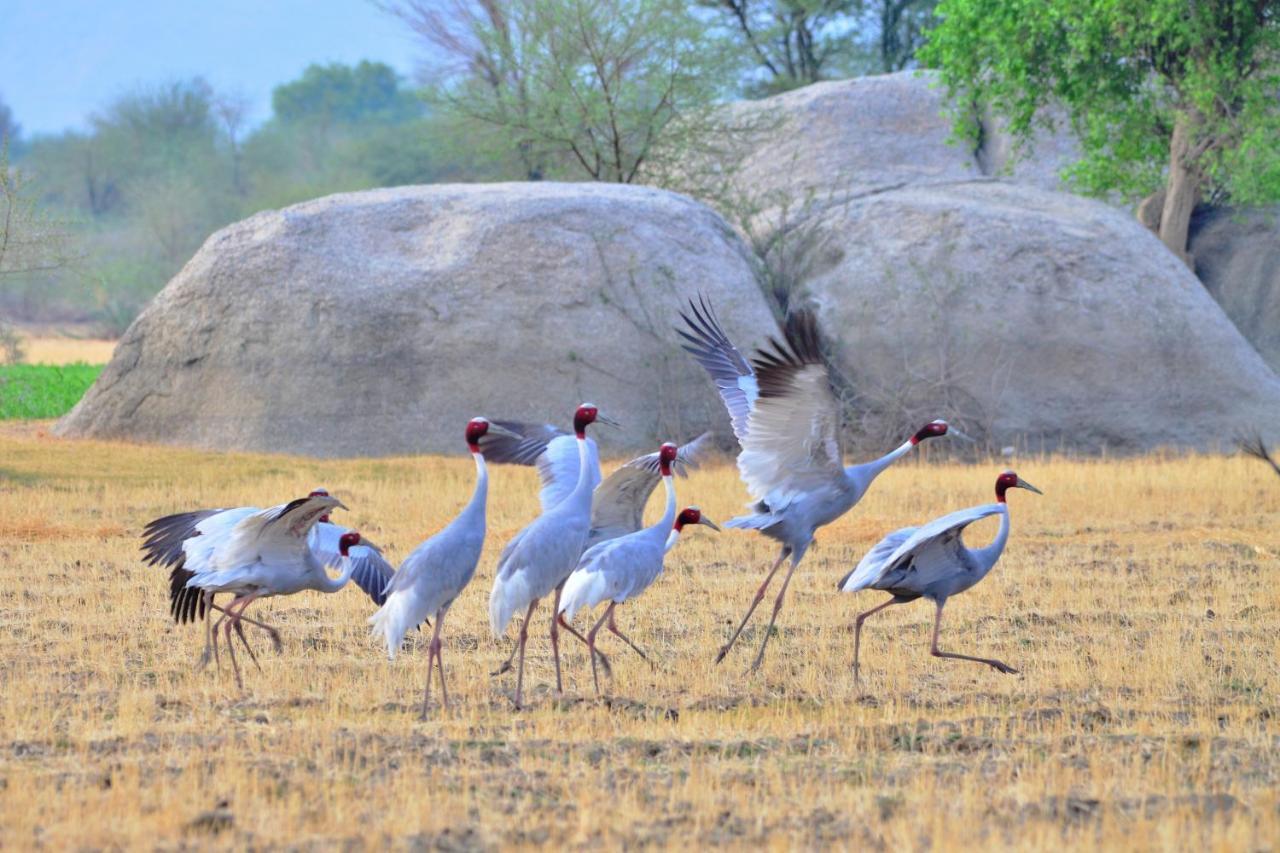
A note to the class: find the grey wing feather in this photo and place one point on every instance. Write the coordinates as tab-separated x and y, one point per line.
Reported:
931	551
525	450
794	442
706	341
617	507
552	450
870	566
371	571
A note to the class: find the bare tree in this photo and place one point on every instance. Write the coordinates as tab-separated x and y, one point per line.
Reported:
231	110
587	86
795	42
483	42
9	129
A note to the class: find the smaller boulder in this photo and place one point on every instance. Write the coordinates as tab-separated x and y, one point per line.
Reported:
1237	256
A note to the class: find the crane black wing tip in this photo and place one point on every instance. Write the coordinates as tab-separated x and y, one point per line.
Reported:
777	362
184	602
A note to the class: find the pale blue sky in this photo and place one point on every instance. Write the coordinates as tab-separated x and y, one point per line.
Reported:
60	60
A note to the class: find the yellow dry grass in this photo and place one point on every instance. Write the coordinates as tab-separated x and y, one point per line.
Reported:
1138	598
54	349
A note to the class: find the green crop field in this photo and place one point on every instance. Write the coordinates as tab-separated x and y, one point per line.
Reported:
37	391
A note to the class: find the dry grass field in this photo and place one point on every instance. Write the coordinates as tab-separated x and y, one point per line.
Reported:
1138	597
59	349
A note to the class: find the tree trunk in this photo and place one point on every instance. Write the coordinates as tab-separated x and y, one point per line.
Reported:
1182	191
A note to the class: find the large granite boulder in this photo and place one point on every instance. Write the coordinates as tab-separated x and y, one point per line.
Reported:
379	322
1038	319
797	153
1237	256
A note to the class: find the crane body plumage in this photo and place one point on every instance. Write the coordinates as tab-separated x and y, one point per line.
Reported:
432	577
932	562
787	418
436	572
249	553
536	562
541	555
620	568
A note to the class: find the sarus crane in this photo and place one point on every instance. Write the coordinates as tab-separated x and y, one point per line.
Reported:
617	502
250	554
787	419
536	562
932	562
434	575
622	567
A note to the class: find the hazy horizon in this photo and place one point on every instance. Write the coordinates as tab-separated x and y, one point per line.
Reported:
62	60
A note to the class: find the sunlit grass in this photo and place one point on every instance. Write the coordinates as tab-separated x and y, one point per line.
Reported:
1137	597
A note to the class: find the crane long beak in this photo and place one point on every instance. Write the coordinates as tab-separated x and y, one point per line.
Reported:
1023	484
952	431
605	419
369	543
709	523
341	505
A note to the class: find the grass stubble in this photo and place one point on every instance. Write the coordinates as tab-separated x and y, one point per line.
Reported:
1138	598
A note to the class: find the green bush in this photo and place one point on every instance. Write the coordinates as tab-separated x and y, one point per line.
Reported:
37	391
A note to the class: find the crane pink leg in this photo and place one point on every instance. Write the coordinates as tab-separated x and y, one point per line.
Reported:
231	650
234	616
433	654
613	629
272	632
604	660
724	650
999	666
777	605
444	691
555	635
208	630
857	630
591	642
524	636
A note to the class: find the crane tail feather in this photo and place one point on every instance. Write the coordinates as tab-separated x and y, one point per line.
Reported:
393	620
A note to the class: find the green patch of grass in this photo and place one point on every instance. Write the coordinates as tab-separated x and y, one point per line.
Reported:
38	391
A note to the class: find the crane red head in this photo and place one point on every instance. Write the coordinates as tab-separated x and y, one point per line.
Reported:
666	455
348	541
1009	480
321	493
478	428
937	428
586	415
693	515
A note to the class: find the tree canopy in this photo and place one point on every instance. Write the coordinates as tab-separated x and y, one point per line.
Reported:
573	87
1169	96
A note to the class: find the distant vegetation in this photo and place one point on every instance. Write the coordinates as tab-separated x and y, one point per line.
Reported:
624	90
162	168
39	391
521	90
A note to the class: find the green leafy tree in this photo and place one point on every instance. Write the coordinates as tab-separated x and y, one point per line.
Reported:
337	94
1176	98
592	87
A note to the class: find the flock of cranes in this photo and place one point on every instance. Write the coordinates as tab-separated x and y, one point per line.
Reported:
588	547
